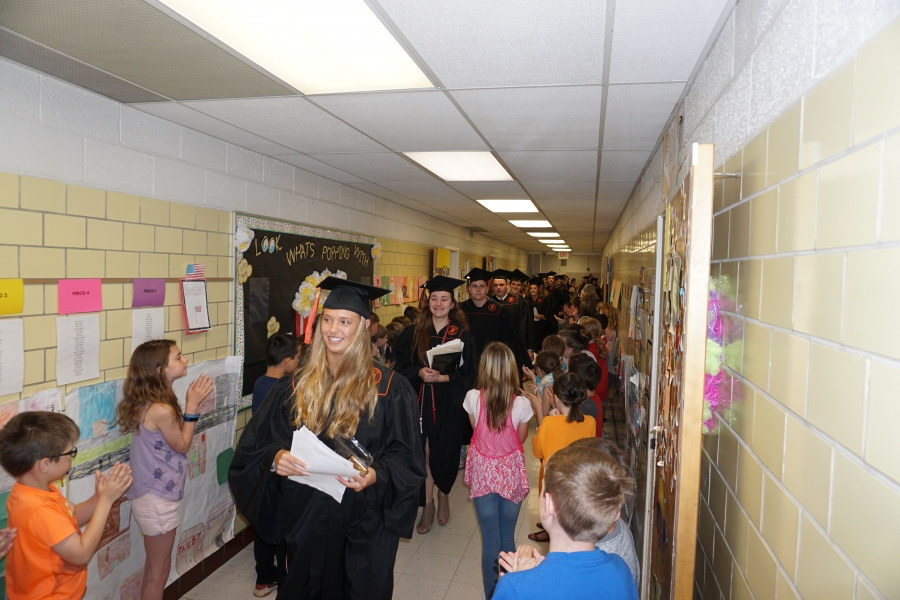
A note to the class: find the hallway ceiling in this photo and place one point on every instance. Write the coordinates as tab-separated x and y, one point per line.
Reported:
571	97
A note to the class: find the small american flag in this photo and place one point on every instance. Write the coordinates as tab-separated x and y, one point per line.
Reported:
198	309
196	271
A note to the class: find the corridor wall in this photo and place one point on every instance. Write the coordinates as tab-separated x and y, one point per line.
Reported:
801	492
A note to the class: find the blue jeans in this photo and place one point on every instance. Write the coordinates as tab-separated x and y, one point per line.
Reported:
497	518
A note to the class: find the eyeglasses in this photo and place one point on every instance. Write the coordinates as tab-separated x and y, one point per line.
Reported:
73	453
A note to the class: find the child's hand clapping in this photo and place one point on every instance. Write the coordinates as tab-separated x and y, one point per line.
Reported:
525	557
529	374
113	485
201	388
6	540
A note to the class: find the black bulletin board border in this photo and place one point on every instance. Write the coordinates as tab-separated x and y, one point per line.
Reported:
259	223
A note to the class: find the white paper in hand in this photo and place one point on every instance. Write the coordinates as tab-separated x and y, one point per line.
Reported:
322	462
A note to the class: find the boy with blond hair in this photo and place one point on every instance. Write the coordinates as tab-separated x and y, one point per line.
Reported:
49	556
584	490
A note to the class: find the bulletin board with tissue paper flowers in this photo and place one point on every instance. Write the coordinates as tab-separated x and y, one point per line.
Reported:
277	268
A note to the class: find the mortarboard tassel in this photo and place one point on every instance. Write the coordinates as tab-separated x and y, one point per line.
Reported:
307	338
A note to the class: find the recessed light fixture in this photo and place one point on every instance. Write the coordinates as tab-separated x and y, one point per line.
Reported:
553	242
305	43
462	166
509	206
531	224
542	234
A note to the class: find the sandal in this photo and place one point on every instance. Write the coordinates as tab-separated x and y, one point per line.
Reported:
426	520
443	508
539	536
538	525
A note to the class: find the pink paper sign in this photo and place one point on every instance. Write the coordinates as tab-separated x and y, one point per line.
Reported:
79	296
149	292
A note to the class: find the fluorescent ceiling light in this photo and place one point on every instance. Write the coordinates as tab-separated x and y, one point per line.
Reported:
509	206
531	224
317	47
462	166
553	242
542	234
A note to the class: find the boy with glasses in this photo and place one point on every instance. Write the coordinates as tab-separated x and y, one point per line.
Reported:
50	554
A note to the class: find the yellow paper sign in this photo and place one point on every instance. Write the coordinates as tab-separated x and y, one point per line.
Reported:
12	296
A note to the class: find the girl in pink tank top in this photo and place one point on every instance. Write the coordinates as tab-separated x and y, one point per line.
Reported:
495	465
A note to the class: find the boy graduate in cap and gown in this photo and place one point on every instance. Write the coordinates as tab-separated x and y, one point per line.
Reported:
444	424
346	549
511	302
488	321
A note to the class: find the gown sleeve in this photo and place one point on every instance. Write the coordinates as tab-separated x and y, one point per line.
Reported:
403	359
463	379
509	330
255	488
400	468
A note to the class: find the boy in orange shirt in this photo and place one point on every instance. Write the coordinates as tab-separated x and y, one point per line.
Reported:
50	554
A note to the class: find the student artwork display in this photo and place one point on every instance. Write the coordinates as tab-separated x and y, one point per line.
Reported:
718	392
78	348
12	356
207	512
273	261
12	296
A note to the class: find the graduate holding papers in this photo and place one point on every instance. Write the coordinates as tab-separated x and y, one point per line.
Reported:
342	531
437	354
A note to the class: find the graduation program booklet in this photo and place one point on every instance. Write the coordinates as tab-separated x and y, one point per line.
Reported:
446	357
322	462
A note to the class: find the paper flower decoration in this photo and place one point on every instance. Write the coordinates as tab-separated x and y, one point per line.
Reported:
244	270
306	295
272	327
242	237
376	251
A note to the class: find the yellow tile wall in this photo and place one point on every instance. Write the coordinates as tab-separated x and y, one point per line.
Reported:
401	258
805	463
50	230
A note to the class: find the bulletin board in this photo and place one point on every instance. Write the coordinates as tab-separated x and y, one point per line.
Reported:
635	292
681	349
270	272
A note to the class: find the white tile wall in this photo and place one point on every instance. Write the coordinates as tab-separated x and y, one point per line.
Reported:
53	129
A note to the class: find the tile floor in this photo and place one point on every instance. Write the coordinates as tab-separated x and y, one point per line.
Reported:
444	564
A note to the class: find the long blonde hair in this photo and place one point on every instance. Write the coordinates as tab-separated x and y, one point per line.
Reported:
498	381
335	402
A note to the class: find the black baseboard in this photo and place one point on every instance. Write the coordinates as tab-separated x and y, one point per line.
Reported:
208	565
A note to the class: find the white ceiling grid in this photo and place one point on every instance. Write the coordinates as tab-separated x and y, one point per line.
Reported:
523	79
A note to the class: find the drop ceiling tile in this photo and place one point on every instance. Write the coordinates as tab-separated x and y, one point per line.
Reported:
622	165
552	165
290	121
660	41
615	190
560	190
198	121
637	114
490	190
539	118
472	43
319	168
375	166
426	191
406	121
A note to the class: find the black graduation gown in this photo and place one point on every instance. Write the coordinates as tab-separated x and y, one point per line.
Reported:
545	327
518	310
334	551
490	323
451	429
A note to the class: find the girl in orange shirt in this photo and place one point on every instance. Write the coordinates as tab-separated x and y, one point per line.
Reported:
565	424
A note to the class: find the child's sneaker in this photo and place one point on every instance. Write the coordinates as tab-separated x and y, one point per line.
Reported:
264	589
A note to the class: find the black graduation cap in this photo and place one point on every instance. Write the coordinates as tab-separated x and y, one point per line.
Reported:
442	284
536	280
502	274
518	275
551	273
478	274
350	295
